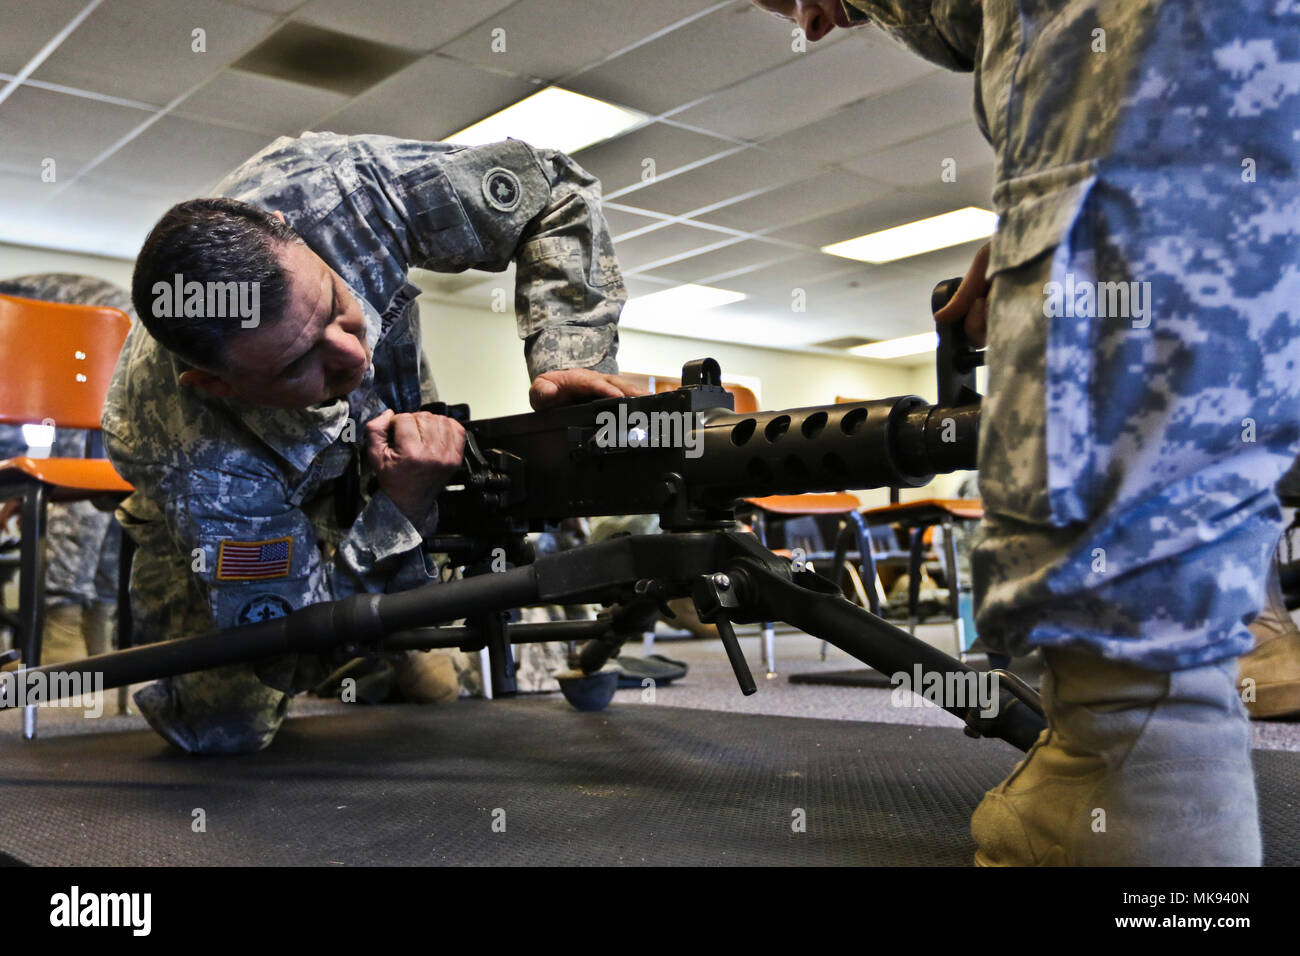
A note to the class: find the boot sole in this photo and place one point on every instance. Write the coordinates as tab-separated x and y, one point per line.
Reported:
1275	700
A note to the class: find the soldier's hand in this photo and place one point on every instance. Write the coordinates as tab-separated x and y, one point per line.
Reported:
970	302
568	385
414	456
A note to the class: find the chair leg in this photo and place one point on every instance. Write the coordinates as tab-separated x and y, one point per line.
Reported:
867	562
31	589
769	635
124	632
954	588
914	563
485	666
769	649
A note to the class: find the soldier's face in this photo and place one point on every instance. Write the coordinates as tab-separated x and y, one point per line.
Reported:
314	352
816	17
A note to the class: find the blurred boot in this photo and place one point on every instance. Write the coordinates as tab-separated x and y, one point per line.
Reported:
427	677
1136	768
97	628
61	640
689	619
1270	674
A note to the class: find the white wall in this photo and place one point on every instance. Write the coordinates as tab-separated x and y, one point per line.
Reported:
477	356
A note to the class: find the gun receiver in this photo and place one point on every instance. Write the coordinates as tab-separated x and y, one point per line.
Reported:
686	456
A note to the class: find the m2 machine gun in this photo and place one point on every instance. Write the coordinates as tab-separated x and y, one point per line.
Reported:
684	455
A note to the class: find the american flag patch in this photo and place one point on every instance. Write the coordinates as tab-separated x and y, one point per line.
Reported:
254	560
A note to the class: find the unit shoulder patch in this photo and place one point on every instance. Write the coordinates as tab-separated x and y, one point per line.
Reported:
264	607
502	190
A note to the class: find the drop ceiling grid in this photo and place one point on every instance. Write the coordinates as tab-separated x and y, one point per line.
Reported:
760	144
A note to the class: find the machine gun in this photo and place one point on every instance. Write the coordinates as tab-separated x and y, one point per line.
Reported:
684	455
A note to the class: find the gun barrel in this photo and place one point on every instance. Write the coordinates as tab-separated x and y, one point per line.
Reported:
686	456
893	442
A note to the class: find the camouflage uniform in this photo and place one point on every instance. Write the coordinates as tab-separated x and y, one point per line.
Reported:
81	540
220	480
1127	468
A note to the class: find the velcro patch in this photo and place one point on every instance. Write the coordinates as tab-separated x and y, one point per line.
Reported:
502	190
254	560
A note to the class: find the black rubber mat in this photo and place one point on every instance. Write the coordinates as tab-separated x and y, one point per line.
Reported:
635	784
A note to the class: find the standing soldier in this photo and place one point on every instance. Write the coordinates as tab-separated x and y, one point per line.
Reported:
1127	455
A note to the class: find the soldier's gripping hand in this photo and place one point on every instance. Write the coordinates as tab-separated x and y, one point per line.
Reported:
970	303
414	456
568	385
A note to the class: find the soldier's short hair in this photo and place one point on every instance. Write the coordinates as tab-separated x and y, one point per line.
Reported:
214	240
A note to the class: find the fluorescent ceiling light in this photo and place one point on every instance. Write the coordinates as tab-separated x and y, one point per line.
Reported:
897	348
659	310
938	232
552	119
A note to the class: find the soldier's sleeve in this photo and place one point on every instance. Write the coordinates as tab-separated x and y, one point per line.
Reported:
488	206
945	32
258	556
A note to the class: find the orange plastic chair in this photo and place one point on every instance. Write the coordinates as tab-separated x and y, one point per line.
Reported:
745	400
55	368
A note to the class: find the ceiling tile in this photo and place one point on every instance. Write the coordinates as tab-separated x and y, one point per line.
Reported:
29	26
714	51
931	103
142	49
71	130
91	215
234	96
921	162
778	284
621	162
430	99
21	190
270	6
621	222
539	34
811	85
747	255
417	24
180	158
811	198
663	243
714	182
891	210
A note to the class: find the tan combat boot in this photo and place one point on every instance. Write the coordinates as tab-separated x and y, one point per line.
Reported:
1136	768
62	639
427	677
97	628
1270	674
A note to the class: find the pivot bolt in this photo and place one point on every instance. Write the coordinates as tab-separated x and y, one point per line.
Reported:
722	582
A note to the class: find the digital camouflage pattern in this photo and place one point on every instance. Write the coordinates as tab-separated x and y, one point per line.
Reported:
81	540
214	473
1127	462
